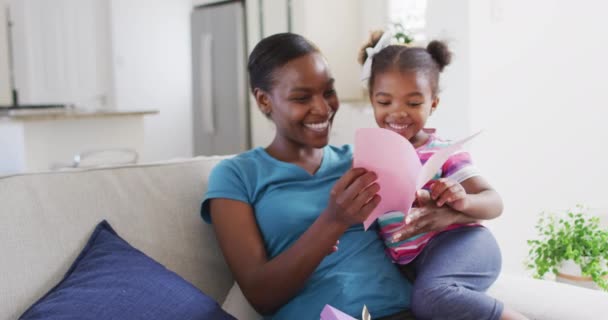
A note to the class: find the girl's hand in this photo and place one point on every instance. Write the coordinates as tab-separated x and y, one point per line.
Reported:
353	198
450	192
428	217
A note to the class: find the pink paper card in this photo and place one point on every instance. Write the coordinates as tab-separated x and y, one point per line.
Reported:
396	163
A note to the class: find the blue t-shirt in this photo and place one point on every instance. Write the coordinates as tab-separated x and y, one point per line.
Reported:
286	201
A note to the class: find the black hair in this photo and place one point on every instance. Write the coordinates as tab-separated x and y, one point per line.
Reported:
272	53
430	60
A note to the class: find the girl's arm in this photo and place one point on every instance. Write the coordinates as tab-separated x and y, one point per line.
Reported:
473	197
449	202
428	217
270	283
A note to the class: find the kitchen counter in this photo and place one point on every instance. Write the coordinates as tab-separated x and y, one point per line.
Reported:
67	114
43	139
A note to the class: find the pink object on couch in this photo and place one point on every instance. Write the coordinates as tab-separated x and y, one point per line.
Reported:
331	313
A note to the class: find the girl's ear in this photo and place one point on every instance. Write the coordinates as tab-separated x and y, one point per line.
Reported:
434	104
263	101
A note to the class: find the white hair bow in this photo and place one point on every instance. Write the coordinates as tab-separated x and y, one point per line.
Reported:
384	42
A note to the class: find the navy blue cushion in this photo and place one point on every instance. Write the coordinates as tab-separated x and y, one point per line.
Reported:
112	280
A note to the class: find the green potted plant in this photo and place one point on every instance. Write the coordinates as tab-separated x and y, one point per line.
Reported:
567	242
401	34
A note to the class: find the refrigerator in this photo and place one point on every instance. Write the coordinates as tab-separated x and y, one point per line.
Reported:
219	79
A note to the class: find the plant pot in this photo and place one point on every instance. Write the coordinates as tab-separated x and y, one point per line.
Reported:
569	272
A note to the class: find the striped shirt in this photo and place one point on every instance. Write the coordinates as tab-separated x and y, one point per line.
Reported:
458	167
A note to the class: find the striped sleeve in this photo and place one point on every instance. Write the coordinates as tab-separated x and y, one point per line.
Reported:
459	167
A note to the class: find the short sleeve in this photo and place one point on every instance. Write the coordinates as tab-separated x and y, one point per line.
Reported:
225	181
459	167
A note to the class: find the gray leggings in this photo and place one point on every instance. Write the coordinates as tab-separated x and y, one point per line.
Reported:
452	274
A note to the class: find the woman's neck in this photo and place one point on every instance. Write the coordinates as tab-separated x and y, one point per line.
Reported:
309	158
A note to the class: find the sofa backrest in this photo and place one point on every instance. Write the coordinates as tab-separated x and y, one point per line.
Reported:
46	218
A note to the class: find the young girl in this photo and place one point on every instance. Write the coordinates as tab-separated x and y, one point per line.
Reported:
454	259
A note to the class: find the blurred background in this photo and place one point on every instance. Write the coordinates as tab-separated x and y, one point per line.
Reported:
529	73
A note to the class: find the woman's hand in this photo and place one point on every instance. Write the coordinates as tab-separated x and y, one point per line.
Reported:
353	198
429	217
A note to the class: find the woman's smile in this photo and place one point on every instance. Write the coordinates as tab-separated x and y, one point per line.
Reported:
318	127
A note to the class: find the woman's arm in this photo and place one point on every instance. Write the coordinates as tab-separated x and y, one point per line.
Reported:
269	284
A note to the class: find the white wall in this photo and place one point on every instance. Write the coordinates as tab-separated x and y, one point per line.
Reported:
538	86
336	29
152	70
373	15
448	20
5	95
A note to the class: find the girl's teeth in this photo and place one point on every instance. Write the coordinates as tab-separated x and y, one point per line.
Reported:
397	126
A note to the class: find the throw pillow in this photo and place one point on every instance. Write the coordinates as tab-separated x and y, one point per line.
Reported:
112	280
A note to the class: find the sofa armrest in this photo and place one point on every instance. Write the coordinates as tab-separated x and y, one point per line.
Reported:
543	299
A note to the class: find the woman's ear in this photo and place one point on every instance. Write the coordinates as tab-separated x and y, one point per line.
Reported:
434	104
263	101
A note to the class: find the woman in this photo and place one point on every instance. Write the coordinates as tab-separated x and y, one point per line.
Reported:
279	211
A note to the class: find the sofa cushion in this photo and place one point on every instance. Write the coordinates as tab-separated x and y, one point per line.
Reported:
112	280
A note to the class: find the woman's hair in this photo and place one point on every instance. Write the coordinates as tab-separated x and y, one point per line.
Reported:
272	53
430	60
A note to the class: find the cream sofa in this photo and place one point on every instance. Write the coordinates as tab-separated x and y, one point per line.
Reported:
45	219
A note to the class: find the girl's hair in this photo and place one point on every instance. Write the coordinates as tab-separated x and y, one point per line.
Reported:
430	60
272	53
